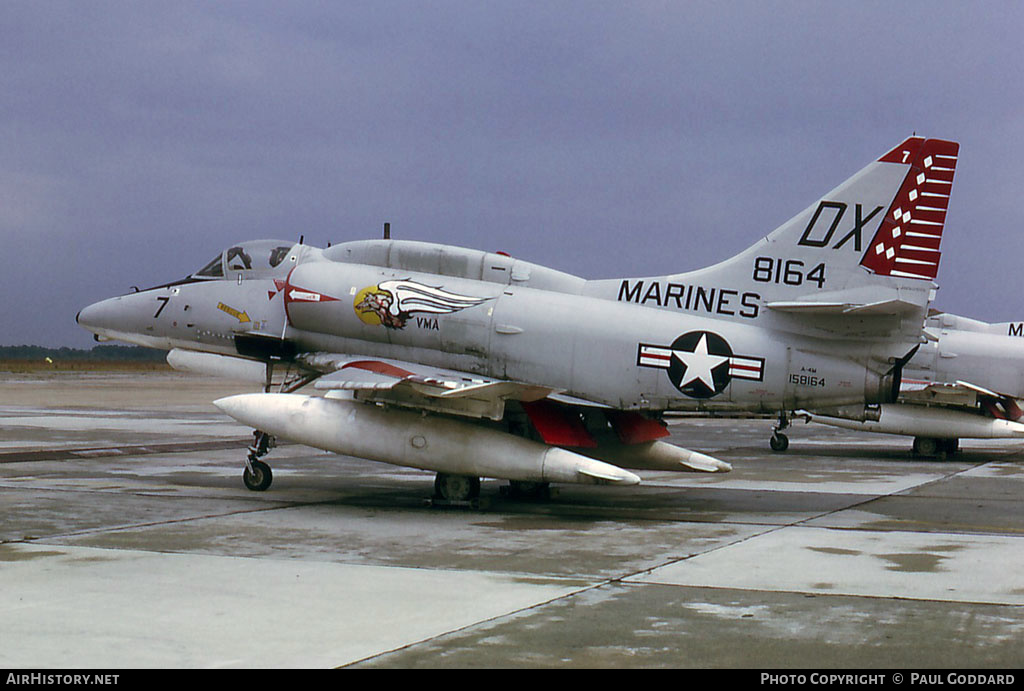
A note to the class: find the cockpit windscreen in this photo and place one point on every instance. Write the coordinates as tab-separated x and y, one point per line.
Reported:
257	257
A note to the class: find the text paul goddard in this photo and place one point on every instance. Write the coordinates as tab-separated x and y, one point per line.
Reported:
941	679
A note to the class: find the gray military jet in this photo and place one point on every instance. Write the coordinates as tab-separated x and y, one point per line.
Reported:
475	364
964	381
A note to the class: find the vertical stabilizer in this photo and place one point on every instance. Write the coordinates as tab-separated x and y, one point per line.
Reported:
860	260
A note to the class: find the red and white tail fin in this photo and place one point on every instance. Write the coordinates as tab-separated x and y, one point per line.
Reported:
866	251
907	242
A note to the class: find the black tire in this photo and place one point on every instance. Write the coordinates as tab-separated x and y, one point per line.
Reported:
926	446
457	487
260	478
779	442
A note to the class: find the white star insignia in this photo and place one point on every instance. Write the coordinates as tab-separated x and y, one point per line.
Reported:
699	363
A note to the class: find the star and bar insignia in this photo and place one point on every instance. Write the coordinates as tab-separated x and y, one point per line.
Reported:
700	363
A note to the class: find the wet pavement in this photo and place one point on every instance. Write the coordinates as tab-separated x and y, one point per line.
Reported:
127	539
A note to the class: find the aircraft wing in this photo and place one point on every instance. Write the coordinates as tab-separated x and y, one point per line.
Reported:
418	386
557	417
554	415
961	394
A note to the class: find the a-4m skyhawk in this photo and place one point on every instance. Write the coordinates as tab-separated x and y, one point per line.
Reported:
965	381
474	364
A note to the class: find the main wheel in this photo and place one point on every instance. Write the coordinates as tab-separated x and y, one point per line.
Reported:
926	446
779	442
457	487
259	478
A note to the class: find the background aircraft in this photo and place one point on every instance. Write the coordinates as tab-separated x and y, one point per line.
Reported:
966	381
471	364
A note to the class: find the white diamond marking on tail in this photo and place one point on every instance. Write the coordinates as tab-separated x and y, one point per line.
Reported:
919	206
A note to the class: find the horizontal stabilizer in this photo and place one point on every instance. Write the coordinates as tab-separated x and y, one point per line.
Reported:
882	307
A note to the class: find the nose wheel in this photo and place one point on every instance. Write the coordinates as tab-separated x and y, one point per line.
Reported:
257	475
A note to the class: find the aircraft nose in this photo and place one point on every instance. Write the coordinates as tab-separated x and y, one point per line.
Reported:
87	316
98	317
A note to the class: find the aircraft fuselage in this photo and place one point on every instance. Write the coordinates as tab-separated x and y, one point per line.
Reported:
602	350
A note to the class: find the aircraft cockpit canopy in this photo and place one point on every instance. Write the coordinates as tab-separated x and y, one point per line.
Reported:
256	258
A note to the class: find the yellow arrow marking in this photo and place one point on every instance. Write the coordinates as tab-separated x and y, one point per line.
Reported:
242	317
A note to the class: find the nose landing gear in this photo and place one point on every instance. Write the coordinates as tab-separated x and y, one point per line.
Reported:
257	475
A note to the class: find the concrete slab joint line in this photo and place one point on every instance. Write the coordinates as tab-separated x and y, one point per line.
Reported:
842	552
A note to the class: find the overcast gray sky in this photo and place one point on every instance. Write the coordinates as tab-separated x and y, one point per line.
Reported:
138	139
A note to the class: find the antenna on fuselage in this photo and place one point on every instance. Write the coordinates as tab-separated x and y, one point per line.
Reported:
387	230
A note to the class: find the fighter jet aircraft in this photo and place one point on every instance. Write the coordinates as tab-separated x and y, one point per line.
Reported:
966	381
475	364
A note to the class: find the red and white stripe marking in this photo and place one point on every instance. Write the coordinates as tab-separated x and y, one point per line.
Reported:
907	242
740	366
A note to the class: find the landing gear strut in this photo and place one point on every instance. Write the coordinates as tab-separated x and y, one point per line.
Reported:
779	441
257	475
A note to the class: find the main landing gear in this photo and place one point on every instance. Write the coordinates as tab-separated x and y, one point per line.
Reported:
779	441
464	491
933	447
456	490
